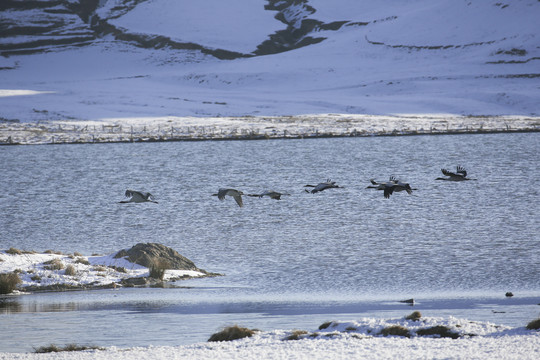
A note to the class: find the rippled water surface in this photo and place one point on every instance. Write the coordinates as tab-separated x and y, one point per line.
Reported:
476	236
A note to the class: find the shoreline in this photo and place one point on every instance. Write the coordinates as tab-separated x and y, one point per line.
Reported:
166	129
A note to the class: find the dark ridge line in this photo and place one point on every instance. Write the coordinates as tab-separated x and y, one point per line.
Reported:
432	47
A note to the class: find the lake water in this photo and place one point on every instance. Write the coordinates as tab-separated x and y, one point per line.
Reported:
299	261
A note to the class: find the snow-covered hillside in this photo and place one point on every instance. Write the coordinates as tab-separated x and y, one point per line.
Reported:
125	59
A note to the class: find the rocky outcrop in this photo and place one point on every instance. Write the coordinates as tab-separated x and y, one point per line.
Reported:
29	27
157	255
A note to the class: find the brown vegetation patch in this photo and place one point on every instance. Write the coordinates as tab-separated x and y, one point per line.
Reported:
13	251
296	335
82	261
396	330
534	325
232	333
9	282
70	347
439	331
325	325
54	264
414	316
70	270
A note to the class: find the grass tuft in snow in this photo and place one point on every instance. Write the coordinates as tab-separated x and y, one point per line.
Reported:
325	325
395	330
157	270
82	260
534	325
70	270
14	251
54	264
53	252
296	335
232	333
70	347
9	282
438	331
414	316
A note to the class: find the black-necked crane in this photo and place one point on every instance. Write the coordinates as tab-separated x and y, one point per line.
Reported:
459	175
328	184
380	185
397	186
236	194
271	194
138	197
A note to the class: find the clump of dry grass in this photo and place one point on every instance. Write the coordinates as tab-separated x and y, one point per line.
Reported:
9	282
325	325
439	331
296	335
82	260
70	270
157	270
76	253
534	325
395	330
70	347
54	264
53	252
414	316
118	268
232	333
14	251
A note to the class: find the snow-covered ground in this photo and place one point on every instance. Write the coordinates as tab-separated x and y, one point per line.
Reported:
301	126
393	58
359	339
49	269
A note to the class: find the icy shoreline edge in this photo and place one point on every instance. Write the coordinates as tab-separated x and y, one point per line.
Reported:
255	128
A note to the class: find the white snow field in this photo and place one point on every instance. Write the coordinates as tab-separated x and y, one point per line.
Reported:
403	59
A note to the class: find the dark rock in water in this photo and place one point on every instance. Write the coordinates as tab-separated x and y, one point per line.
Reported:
131	282
157	255
509	294
408	301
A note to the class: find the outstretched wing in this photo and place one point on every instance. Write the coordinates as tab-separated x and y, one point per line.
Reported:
147	196
221	194
461	170
447	173
388	190
238	199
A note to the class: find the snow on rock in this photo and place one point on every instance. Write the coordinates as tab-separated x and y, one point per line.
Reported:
50	271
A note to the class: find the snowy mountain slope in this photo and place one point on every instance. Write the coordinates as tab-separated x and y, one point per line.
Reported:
146	59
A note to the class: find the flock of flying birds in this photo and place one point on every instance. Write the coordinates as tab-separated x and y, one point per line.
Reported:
388	187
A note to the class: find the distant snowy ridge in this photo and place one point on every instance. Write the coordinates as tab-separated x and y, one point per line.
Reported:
97	60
